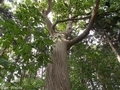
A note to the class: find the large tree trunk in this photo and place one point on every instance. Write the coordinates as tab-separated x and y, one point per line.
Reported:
57	77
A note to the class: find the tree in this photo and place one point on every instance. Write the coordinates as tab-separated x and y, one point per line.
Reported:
54	79
30	40
57	77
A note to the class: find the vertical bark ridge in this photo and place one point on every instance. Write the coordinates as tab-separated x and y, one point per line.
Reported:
57	77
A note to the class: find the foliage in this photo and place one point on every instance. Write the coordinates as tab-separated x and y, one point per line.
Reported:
92	67
25	45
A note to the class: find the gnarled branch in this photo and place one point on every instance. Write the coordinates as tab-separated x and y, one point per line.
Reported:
91	22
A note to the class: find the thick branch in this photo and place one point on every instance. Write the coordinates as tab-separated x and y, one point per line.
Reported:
113	49
49	7
68	30
91	22
47	21
49	26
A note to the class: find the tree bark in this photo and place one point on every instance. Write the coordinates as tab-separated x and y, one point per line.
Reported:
57	77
